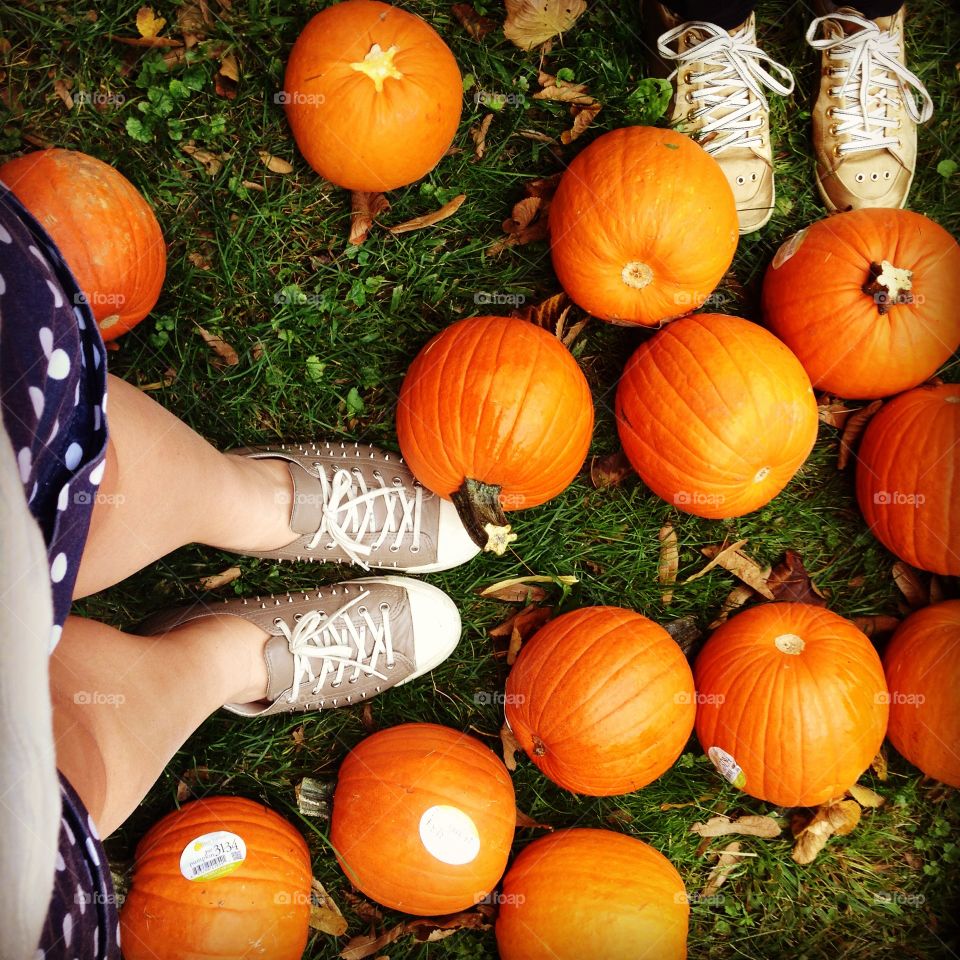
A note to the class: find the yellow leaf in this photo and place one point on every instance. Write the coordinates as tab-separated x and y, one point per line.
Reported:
726	864
148	23
839	817
510	747
325	915
532	22
429	219
669	560
275	164
748	826
865	796
220	347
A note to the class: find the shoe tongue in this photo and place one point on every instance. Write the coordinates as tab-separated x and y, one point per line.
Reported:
279	667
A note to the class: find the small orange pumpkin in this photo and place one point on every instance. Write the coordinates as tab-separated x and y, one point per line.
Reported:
584	893
494	414
372	94
643	226
423	819
104	229
867	300
619	726
214	877
922	664
791	703
908	470
716	415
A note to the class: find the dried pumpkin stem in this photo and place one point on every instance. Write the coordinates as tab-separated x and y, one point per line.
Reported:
888	285
636	274
479	507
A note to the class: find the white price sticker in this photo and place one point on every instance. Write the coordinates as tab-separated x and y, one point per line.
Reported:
449	835
213	855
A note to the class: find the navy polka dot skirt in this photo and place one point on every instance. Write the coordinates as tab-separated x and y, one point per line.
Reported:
53	403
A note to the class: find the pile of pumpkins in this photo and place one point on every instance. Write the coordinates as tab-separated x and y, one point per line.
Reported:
716	414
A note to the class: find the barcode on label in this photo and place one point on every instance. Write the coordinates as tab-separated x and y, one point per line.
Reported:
204	866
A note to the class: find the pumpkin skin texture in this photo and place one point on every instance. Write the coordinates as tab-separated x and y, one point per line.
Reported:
264	900
908	472
106	232
716	415
642	227
373	95
423	819
592	893
858	343
615	730
494	414
796	696
922	664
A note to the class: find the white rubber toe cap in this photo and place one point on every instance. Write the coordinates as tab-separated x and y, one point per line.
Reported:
454	545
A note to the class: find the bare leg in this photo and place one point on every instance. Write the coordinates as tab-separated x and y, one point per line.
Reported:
164	486
123	704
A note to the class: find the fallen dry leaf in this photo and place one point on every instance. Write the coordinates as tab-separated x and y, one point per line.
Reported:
879	764
908	582
733	560
364	909
63	92
510	748
748	826
876	625
364	210
583	116
299	737
169	376
192	21
186	785
735	599
276	164
476	25
837	818
220	347
609	471
522	589
431	929
526	822
833	411
429	219
366	718
532	22
220	579
226	81
212	162
789	580
530	619
855	425
563	91
865	796
669	560
550	314
529	219
149	24
325	915
478	134
513	650
725	865
366	945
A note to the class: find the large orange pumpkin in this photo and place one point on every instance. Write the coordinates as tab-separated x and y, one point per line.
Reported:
214	877
922	664
105	230
584	893
643	226
610	729
423	819
908	477
716	415
791	703
496	415
867	300
372	94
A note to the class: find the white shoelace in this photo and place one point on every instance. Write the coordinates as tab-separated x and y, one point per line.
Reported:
339	644
736	71
349	513
873	78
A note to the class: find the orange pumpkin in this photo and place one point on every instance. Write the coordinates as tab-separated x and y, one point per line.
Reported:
922	664
642	227
584	893
614	728
867	300
791	703
104	229
716	415
423	819
494	414
214	877
908	470
372	94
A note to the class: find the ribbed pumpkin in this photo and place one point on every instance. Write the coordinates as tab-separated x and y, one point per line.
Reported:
423	819
496	415
610	729
716	415
214	877
867	300
908	474
372	94
922	664
104	229
791	703
585	893
642	227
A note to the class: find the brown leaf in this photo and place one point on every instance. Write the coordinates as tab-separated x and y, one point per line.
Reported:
833	412
364	210
429	219
189	780
220	579
478	133
510	748
726	864
516	642
736	598
212	162
200	260
149	24
669	560
837	818
790	581
583	116
431	929
522	589
475	24
226	81
543	187
609	471
908	582
854	426
879	764
737	563
220	347
749	826
865	796
364	909
877	625
63	92
619	816
277	164
325	915
550	314
168	377
526	822
561	91
366	945
528	621
146	41
366	718
299	737
531	22
193	20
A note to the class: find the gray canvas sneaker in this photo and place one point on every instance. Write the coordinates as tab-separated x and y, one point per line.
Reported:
355	503
340	645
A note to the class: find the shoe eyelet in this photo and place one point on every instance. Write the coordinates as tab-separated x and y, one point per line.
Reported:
740	181
874	177
394	548
886	175
353	680
361	610
330	546
689	99
860	178
317	464
833	129
277	621
414	549
753	177
829	112
836	151
384	606
378	474
397	482
335	686
297	617
688	77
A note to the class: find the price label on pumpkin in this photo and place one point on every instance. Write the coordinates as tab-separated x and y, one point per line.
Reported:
212	855
450	835
727	767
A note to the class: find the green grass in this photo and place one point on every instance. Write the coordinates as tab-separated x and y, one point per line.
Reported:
332	368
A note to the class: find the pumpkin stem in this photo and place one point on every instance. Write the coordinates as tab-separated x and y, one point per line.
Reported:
888	285
482	514
539	747
789	643
636	274
378	65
